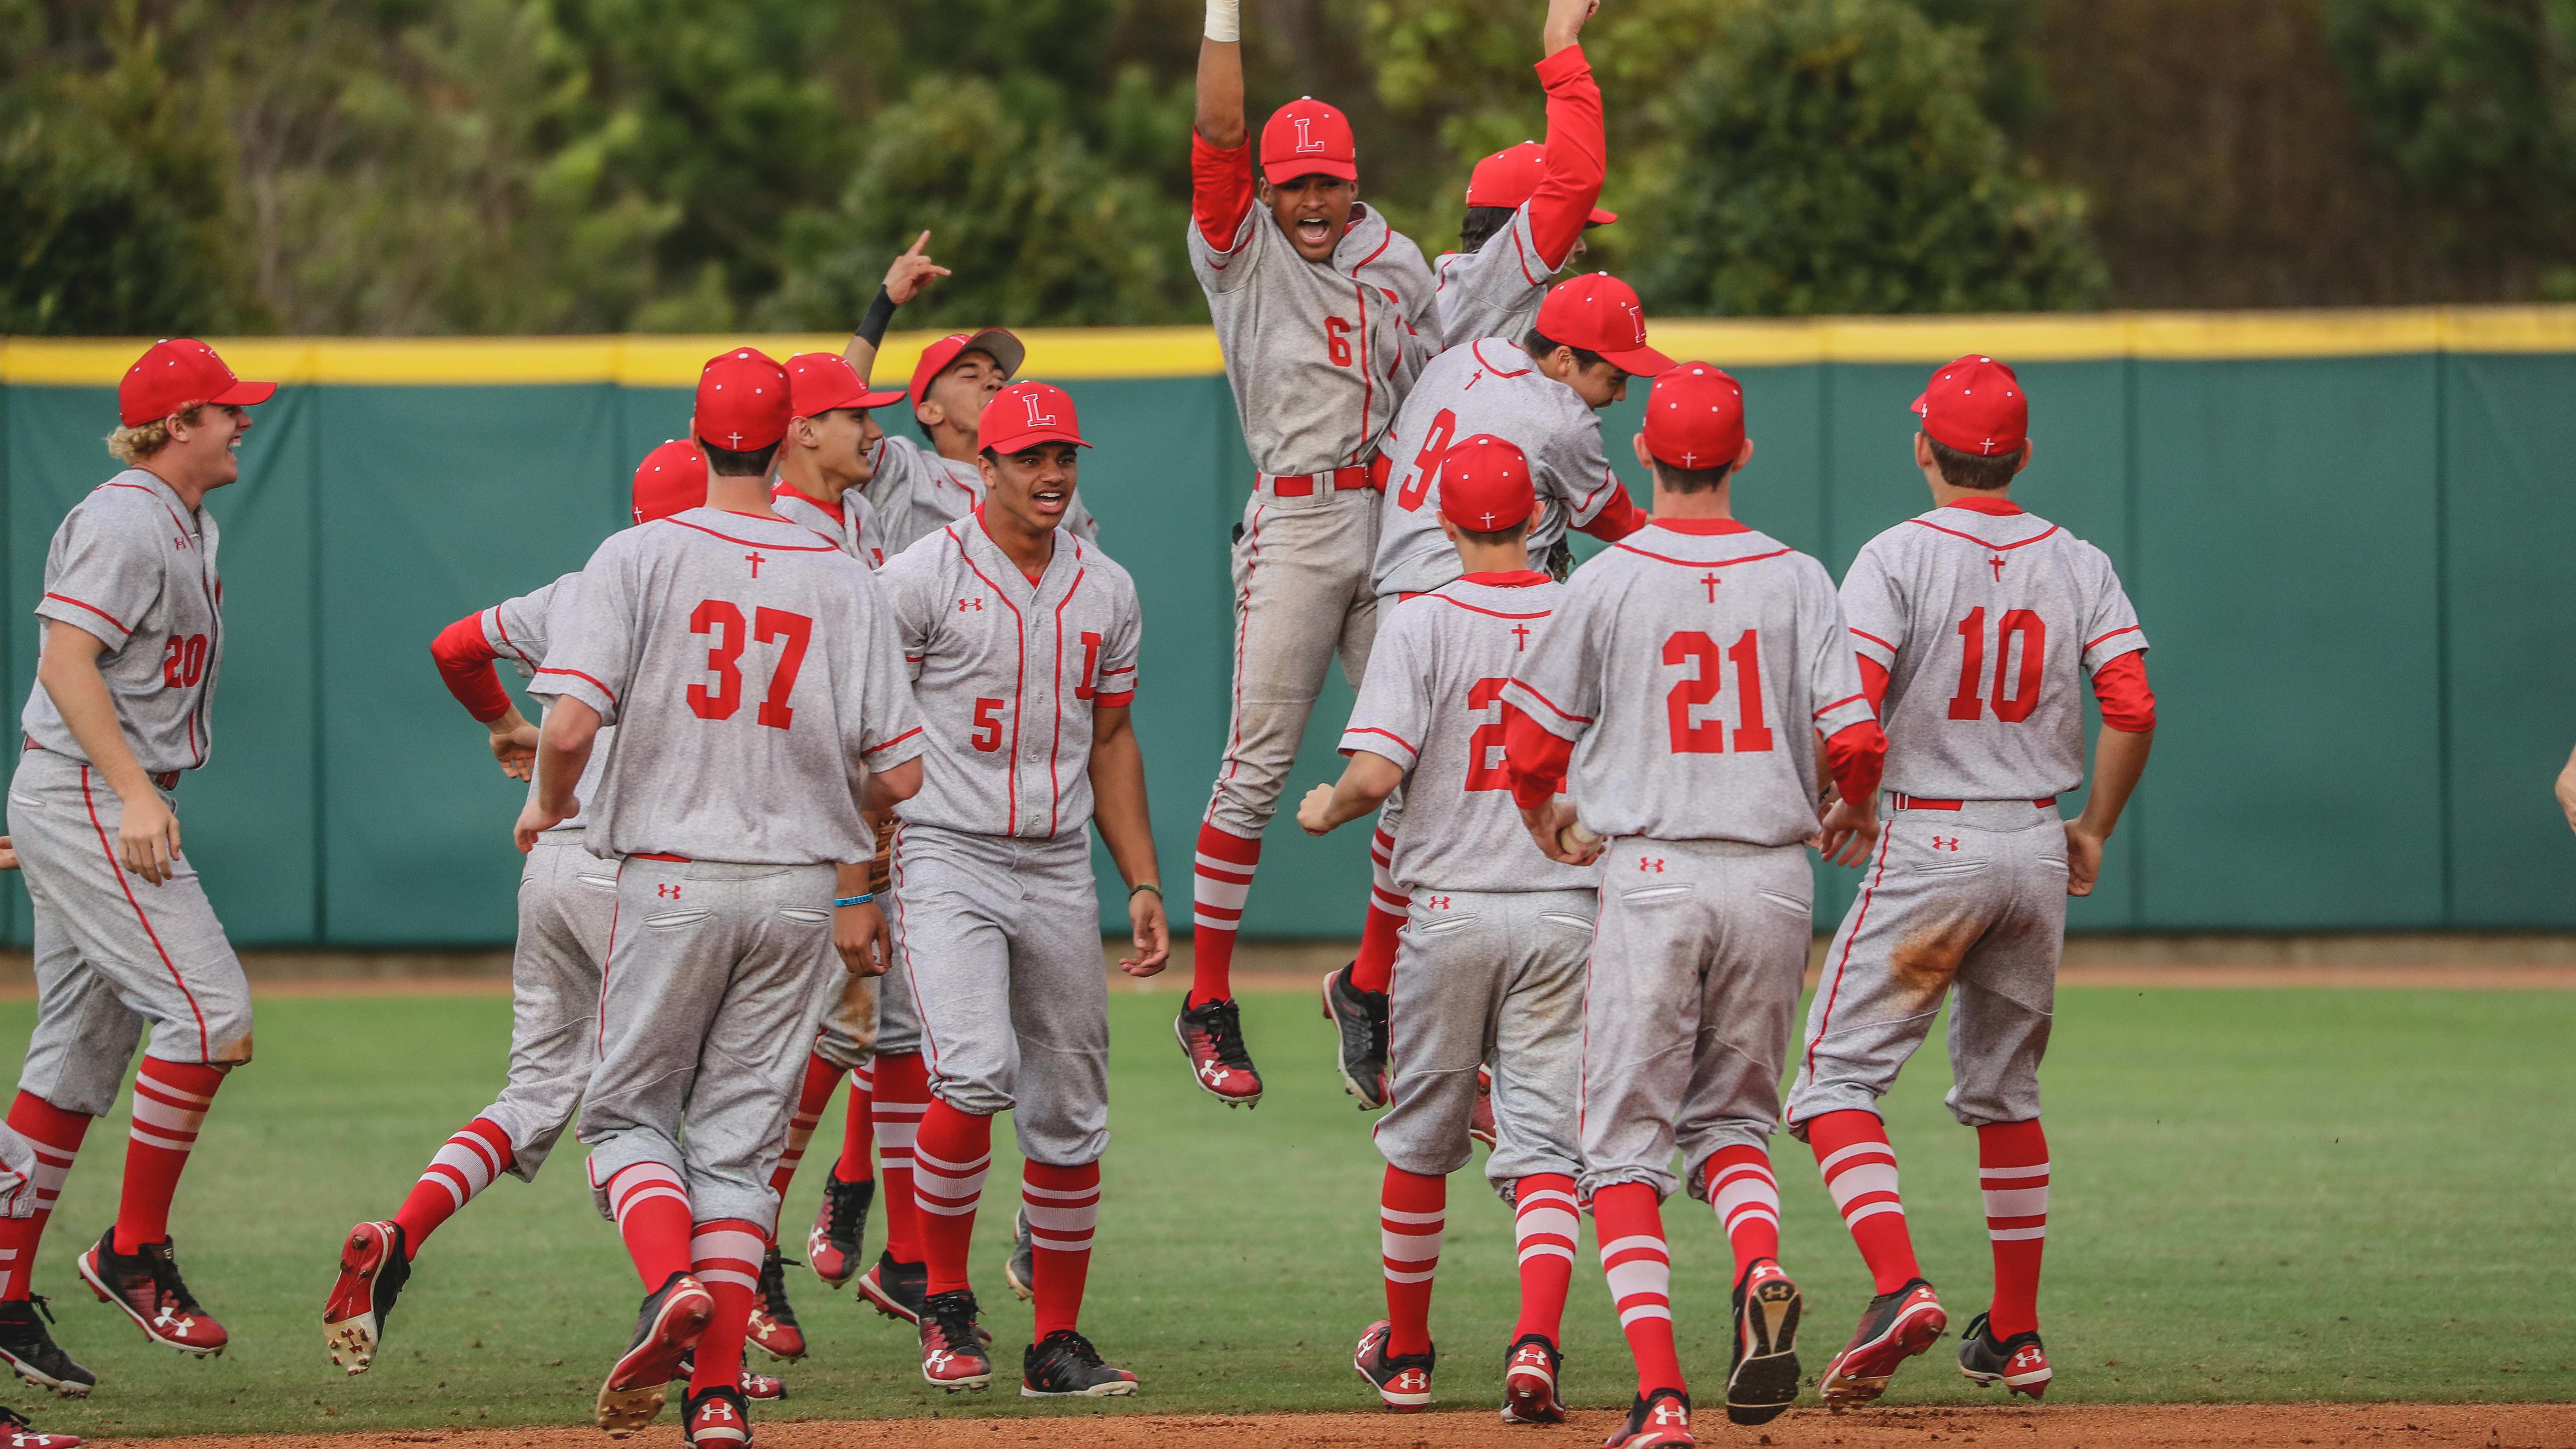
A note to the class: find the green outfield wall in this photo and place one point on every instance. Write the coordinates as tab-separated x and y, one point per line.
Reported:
2349	537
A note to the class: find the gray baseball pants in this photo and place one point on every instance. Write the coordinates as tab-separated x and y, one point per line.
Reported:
1696	964
567	901
716	977
1967	904
1001	957
1487	975
848	1036
113	952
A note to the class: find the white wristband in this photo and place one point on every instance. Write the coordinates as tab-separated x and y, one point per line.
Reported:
1225	20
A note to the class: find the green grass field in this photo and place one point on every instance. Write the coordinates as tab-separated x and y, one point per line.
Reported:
2258	1195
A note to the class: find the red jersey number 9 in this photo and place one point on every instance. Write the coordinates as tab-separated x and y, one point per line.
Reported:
1337	341
1426	463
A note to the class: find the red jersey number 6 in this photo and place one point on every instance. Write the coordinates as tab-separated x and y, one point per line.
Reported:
1337	341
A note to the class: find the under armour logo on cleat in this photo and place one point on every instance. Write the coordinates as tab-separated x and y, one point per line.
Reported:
667	892
1669	1413
716	1409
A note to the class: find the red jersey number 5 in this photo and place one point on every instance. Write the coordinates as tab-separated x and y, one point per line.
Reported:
988	726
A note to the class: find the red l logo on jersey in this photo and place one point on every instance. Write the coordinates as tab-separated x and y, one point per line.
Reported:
1085	686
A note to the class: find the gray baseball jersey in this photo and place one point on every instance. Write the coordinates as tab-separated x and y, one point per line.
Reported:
134	566
516	629
1691	665
853	526
1486	386
917	492
1495	290
1009	673
1988	624
768	676
1432	703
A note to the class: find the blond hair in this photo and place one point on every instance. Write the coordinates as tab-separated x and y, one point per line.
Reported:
133	445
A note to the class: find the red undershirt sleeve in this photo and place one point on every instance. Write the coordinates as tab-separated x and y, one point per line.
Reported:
465	665
1576	156
1617	519
2121	688
1537	759
1857	756
1873	682
1220	190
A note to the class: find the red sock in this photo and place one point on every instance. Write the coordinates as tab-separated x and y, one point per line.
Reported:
1217	889
1860	1171
811	1098
1545	1223
902	1096
725	1255
1747	1199
2012	1167
1386	913
652	1211
170	1101
949	1160
858	1129
56	1135
1063	1204
1412	1209
466	1165
1630	1225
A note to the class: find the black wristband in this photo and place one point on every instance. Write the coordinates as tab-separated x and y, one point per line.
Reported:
872	328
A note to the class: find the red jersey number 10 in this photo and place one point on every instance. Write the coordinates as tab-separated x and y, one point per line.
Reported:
2013	707
1752	732
723	619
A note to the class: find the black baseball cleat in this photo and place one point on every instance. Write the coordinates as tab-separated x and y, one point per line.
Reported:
1212	1038
1764	1377
716	1418
373	1269
1659	1420
666	1331
1893	1328
1021	1269
832	1248
952	1343
1359	1019
1530	1369
146	1285
2019	1363
755	1387
32	1353
1066	1366
1402	1380
17	1433
898	1290
773	1328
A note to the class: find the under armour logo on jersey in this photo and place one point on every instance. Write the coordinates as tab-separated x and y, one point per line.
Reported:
1306	136
667	892
1654	863
976	604
1998	562
181	541
1669	1412
1940	844
1436	903
756	562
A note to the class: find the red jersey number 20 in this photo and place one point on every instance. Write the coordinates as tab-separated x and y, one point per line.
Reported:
724	620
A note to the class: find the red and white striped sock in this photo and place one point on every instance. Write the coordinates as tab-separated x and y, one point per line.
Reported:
1747	1199
651	1206
1546	1222
949	1161
2012	1167
170	1101
1222	879
812	1096
56	1135
464	1166
1412	1211
1859	1166
902	1096
1631	1227
858	1129
1063	1204
1388	906
725	1254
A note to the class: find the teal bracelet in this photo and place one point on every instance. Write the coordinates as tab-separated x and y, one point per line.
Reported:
854	900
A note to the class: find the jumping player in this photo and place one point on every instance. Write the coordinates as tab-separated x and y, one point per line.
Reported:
1492	962
1325	316
1683	686
752	673
124	936
567	900
1978	625
1022	642
1541	392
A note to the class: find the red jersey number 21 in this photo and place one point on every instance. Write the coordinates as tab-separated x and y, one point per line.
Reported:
723	619
1694	648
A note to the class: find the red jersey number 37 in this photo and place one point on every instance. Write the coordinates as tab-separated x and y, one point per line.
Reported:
723	619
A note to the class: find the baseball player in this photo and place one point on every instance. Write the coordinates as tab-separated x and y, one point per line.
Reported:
566	898
1325	316
1978	626
1528	205
751	671
1493	956
124	937
1683	687
1541	393
18	1172
1022	642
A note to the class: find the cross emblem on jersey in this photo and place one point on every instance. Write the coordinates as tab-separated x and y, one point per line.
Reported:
1520	637
1997	562
756	562
667	892
1712	580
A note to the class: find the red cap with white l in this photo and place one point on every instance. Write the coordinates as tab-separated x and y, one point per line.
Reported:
1308	138
742	401
1026	414
1599	313
1695	417
671	479
820	382
1510	177
1975	405
1485	485
176	374
1004	348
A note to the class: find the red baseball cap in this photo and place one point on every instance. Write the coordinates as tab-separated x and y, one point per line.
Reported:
174	375
742	401
1510	177
1308	138
1599	313
1005	348
1695	417
671	479
1485	485
1026	414
1975	405
818	382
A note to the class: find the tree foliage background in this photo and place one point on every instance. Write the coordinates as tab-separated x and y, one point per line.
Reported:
429	166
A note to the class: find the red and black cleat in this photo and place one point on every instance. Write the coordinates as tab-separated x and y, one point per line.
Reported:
666	1332
952	1345
1893	1328
17	1433
373	1269
717	1418
1660	1420
832	1248
1212	1038
1530	1367
1402	1381
773	1328
146	1284
2019	1363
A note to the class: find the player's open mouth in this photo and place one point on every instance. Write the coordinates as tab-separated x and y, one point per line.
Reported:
1049	502
1313	230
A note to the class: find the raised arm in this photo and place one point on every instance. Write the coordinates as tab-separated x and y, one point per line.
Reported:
1577	153
1221	191
1220	91
904	280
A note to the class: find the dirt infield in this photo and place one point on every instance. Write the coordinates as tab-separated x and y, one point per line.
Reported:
2071	1426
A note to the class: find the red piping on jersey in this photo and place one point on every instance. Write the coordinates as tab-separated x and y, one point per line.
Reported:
1701	527
1368	383
157	498
1697	563
2114	634
756	543
1019	681
1478	348
1874	639
1525	687
1390	734
586	679
1825	1023
1837	704
1055	750
504	630
898	739
116	868
1981	543
1503	579
93	608
1488	613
